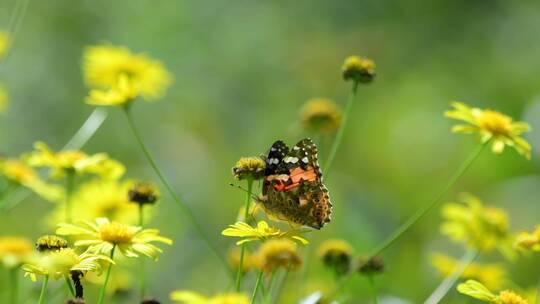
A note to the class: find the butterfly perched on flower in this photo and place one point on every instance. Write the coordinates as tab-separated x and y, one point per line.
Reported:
293	189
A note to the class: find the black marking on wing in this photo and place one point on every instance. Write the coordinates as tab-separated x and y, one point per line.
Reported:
274	160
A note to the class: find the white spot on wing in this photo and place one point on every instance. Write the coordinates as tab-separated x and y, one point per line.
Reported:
305	159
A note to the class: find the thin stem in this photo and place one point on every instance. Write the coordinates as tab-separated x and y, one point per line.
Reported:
268	297
107	276
14	291
70	182
281	284
341	131
240	270
69	286
256	289
374	288
441	290
142	268
43	289
187	211
418	215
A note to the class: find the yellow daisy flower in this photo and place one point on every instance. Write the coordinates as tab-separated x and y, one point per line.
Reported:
105	65
491	125
19	173
337	255
76	161
190	297
123	92
492	275
14	251
261	232
320	115
60	263
4	43
4	99
101	198
102	236
358	69
249	168
477	226
529	240
478	291
278	253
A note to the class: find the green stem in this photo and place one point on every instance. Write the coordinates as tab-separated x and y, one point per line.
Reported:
107	276
14	291
441	290
43	289
70	182
281	284
537	296
69	286
240	270
256	289
268	297
419	214
374	288
142	269
341	130
187	211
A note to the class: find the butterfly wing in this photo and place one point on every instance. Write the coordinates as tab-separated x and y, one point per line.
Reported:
293	189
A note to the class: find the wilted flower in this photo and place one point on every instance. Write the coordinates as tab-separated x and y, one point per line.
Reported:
100	198
4	43
249	168
491	275
143	193
280	253
320	115
190	297
102	236
337	255
50	243
477	226
491	125
60	263
478	291
262	232
75	161
14	251
18	172
107	66
529	240
234	259
358	69
372	266
4	99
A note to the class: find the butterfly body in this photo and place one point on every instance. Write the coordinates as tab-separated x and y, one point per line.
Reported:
293	190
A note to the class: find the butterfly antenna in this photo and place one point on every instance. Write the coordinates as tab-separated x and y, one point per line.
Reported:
245	190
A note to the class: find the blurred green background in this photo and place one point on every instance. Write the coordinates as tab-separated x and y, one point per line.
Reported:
243	69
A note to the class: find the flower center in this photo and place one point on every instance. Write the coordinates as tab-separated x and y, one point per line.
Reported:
116	233
508	297
495	122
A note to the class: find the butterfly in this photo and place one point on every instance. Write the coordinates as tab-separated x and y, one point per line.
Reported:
293	189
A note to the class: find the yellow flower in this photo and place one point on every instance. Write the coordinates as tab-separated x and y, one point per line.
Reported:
321	115
529	240
234	259
190	297
358	69
262	232
336	254
20	173
14	251
59	263
249	168
491	125
50	243
101	198
123	92
102	236
4	43
477	226
4	99
491	275
281	253
105	65
76	161
143	193
478	291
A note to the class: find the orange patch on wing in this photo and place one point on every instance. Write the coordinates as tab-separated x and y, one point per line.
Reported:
298	174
